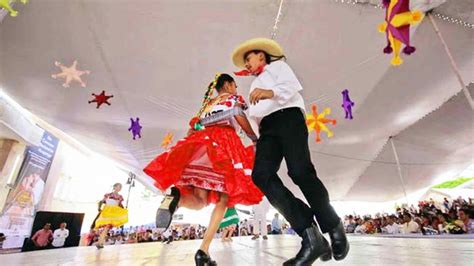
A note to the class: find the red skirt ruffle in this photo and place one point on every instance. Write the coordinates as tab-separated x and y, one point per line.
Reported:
230	165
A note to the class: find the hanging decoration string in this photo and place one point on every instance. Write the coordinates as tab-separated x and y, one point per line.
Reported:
454	66
277	20
449	19
385	162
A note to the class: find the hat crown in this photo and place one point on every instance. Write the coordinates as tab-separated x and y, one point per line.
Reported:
266	45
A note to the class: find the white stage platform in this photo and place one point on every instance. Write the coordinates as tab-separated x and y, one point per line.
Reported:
365	250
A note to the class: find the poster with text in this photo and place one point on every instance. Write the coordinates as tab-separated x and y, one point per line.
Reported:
18	214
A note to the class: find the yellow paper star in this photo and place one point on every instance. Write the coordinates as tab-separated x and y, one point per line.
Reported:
317	122
70	73
167	141
5	4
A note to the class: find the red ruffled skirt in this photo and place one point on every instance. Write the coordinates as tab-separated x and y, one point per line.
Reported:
213	159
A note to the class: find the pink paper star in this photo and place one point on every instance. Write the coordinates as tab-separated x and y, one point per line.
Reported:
70	73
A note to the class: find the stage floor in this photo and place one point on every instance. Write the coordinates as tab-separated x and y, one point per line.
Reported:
365	250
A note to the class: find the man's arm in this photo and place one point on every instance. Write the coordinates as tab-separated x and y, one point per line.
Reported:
286	86
35	237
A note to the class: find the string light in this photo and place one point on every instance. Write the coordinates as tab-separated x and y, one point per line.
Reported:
277	20
376	4
453	20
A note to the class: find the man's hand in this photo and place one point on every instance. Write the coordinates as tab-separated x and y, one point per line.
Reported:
260	94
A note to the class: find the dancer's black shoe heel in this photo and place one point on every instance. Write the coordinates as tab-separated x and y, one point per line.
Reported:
339	243
313	246
202	259
168	206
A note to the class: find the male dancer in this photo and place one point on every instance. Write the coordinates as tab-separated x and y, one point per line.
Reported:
278	109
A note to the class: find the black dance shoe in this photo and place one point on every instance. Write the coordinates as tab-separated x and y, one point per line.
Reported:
202	259
339	243
313	246
168	206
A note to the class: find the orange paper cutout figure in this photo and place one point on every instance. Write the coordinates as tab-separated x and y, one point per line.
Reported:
70	73
167	141
317	122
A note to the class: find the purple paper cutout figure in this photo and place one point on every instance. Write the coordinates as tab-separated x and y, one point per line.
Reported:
135	128
347	104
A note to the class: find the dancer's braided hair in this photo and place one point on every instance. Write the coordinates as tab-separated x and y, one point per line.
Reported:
208	94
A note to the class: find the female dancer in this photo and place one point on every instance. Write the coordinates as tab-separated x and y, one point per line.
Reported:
229	224
112	215
210	165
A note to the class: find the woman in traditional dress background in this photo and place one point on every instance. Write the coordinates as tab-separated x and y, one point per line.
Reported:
112	215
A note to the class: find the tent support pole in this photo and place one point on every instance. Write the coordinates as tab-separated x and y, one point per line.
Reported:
453	63
399	168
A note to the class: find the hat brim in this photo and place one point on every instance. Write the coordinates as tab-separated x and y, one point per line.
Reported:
263	44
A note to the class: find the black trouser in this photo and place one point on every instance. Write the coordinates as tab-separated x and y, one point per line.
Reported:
283	134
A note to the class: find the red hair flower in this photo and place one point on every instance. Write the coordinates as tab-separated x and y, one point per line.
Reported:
193	122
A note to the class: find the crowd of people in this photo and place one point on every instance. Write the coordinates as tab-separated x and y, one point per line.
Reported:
145	234
180	232
428	218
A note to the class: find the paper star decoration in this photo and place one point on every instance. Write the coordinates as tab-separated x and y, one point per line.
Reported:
135	128
70	73
347	104
317	122
5	4
101	99
396	27
167	140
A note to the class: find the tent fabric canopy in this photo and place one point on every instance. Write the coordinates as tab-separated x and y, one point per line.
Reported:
157	57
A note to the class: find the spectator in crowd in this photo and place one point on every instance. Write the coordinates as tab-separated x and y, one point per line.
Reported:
147	236
276	225
392	227
446	204
168	236
132	239
60	235
465	221
2	238
244	228
43	237
89	238
156	236
349	224
409	226
119	240
361	227
443	222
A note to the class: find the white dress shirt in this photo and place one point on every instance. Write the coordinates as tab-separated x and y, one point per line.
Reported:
59	237
410	227
392	229
279	77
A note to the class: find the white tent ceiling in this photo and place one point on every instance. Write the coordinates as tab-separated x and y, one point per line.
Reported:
156	58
